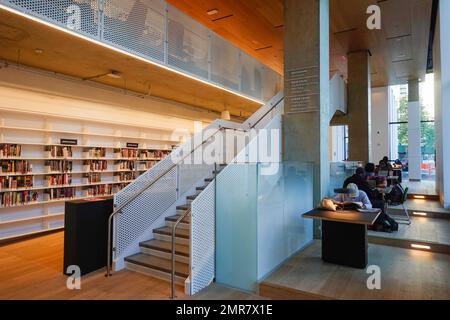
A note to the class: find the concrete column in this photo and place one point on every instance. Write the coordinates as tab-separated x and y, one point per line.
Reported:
414	132
359	107
441	67
307	86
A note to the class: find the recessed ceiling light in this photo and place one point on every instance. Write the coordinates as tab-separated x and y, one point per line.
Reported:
212	12
39	51
115	74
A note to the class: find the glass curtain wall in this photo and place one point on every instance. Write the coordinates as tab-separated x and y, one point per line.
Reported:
398	117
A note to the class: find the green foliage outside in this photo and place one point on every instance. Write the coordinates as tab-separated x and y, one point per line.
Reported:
428	129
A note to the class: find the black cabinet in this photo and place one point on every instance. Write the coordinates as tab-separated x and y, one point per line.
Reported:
86	233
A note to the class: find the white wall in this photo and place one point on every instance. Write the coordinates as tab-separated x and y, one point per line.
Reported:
442	101
37	91
380	123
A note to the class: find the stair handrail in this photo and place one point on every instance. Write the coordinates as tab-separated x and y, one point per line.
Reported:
135	196
220	125
174	230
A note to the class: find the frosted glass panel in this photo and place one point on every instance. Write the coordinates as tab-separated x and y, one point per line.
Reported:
236	247
258	219
282	198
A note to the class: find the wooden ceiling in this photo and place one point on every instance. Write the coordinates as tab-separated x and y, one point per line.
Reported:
67	54
399	49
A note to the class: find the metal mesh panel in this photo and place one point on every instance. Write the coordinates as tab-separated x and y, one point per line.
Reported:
251	76
136	26
225	63
189	175
142	212
203	239
78	15
188	44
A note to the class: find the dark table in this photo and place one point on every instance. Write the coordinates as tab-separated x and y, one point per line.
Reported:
344	236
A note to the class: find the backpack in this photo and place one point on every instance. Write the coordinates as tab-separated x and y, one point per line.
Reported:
396	195
385	223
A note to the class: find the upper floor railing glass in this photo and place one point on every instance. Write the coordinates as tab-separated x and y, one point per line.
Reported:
156	31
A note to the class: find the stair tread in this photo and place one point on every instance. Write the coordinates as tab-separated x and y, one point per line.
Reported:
160	264
166	246
193	197
176	217
184	207
180	233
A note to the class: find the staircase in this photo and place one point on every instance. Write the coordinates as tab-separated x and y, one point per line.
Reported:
155	257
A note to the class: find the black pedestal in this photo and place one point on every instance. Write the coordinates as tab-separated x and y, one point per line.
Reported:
86	233
344	244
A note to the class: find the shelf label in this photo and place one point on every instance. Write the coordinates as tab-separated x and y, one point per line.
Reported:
71	142
132	145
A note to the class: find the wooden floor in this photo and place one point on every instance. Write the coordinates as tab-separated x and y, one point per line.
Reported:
32	269
218	292
421	229
405	274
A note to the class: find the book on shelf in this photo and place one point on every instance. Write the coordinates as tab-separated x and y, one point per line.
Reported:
58	152
153	154
58	166
16	198
124	176
58	179
16	182
94	152
10	150
118	187
16	166
100	190
59	193
92	178
126	153
95	165
124	165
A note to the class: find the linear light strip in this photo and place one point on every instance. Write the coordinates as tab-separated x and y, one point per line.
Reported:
29	17
422	214
420	246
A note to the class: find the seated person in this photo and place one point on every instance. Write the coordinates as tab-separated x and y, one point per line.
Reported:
385	165
359	178
380	182
355	195
370	169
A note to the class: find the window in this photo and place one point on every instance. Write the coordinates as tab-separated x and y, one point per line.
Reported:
398	125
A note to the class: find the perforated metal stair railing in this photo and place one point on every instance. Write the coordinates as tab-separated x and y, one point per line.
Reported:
142	203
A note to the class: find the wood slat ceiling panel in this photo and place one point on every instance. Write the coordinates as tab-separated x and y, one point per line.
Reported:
260	23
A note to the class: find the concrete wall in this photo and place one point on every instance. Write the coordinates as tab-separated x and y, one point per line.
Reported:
380	123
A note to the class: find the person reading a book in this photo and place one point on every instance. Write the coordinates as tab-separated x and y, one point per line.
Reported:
355	196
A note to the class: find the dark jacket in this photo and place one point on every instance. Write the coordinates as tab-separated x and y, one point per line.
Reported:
361	183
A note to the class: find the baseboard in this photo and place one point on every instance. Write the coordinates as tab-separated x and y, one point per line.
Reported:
20	238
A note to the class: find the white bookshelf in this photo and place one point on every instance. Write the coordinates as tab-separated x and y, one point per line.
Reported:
35	133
